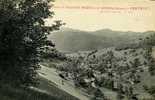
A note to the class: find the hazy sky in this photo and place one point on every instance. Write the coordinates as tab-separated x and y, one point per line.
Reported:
92	15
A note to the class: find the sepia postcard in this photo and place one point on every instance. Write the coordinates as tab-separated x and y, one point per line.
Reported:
100	50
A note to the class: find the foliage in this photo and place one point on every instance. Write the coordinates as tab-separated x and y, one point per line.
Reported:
116	71
52	53
150	40
98	95
23	38
149	43
150	90
150	61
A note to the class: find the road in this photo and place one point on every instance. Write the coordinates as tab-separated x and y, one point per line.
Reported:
67	86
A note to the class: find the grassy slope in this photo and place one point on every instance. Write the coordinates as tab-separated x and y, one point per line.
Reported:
10	93
51	88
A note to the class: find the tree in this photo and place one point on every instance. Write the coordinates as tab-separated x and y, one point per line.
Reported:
152	66
136	63
150	90
149	43
23	38
98	95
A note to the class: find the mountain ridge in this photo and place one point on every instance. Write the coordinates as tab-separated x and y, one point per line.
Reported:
67	39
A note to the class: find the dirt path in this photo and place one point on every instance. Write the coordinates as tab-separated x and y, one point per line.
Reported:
51	75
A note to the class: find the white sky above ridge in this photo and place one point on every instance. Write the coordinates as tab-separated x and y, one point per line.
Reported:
92	15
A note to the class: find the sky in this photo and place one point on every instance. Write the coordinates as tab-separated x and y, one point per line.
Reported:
119	15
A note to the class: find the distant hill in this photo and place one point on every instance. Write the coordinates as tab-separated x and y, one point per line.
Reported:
71	40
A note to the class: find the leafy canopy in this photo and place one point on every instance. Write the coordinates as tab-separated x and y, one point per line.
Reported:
23	38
